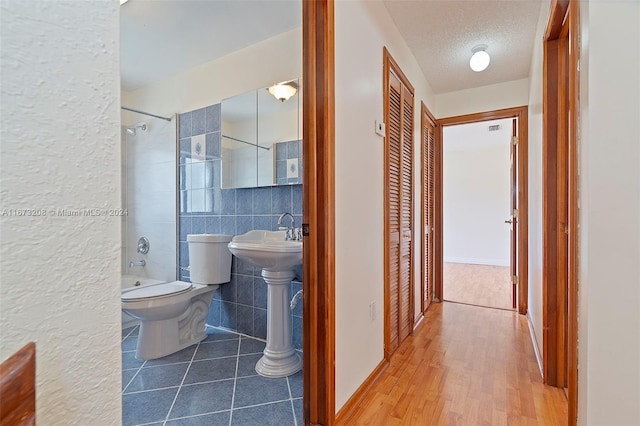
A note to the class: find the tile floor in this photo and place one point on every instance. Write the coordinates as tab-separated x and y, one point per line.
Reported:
211	383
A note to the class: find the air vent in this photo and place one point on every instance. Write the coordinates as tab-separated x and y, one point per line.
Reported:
494	128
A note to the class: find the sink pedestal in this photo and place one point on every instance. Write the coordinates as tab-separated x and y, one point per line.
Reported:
280	358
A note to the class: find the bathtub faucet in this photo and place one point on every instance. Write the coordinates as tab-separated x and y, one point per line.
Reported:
137	263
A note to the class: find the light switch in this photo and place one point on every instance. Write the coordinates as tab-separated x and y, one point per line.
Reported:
380	128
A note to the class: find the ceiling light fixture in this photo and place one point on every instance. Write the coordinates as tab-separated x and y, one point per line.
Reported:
123	2
283	91
480	59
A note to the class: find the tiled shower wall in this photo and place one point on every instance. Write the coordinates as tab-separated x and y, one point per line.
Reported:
205	207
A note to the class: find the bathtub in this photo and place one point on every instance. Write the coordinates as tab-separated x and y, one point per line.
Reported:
129	281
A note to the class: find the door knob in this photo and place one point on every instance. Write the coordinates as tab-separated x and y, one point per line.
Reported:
508	221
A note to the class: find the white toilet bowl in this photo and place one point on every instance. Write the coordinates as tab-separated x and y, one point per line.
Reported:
172	315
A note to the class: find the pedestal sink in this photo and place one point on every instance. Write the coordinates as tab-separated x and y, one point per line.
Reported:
277	257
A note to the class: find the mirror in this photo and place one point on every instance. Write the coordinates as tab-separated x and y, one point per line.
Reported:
261	139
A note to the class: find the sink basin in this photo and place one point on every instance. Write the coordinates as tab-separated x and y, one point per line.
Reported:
267	250
277	257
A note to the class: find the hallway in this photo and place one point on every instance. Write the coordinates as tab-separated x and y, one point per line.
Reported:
464	365
480	285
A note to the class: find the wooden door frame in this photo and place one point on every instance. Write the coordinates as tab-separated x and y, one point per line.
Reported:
521	113
560	126
389	64
426	117
318	213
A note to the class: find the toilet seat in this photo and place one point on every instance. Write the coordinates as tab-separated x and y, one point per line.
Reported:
156	291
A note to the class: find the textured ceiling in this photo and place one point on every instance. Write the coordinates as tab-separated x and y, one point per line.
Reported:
441	35
161	38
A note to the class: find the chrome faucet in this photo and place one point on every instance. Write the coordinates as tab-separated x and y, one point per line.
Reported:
137	263
293	233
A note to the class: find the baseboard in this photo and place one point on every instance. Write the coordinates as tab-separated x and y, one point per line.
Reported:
534	341
349	408
475	261
418	321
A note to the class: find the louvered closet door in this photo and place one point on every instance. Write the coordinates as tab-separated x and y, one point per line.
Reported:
394	156
399	213
406	217
428	188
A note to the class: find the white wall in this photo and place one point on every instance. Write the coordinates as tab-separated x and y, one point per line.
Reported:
609	287
535	179
486	98
151	199
361	30
476	192
260	65
60	280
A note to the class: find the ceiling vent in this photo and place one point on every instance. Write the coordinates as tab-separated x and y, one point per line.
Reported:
494	128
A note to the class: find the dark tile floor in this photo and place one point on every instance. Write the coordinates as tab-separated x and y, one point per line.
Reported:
211	383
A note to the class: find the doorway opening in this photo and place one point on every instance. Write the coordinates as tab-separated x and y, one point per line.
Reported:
478	213
514	122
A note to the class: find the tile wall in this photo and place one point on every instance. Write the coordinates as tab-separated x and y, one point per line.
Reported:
206	208
289	162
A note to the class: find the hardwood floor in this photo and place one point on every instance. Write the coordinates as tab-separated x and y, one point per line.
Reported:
464	365
481	285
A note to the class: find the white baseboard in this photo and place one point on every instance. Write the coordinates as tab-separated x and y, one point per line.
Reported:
475	261
534	341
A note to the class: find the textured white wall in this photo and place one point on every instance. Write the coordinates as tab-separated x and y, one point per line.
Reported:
476	193
362	28
609	292
535	179
60	280
486	98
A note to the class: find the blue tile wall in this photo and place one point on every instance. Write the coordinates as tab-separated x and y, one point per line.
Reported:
239	305
285	151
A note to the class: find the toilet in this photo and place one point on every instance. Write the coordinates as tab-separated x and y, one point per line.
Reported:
172	315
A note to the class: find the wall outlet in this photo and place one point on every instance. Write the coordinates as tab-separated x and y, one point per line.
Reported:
372	311
380	128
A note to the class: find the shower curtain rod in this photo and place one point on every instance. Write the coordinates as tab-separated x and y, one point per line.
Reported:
248	143
145	113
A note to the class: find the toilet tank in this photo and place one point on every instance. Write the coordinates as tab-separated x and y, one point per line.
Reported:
209	258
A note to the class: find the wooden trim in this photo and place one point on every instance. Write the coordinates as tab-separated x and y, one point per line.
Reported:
483	116
318	213
386	271
521	113
425	118
551	122
523	211
557	15
438	217
418	321
18	387
350	407
561	116
423	213
391	63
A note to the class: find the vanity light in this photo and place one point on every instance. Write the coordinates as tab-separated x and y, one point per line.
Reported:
283	91
480	59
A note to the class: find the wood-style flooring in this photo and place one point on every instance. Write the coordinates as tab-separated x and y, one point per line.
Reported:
464	365
481	285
